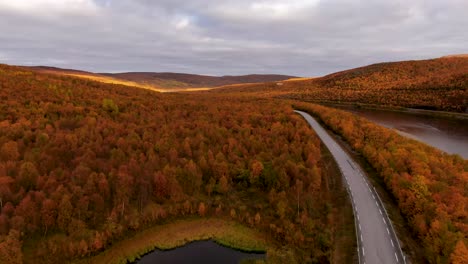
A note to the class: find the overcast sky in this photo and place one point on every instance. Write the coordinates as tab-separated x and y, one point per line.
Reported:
218	37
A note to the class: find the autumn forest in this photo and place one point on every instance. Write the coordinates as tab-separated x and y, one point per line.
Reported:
85	165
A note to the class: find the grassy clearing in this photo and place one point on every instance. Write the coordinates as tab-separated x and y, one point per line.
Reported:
179	233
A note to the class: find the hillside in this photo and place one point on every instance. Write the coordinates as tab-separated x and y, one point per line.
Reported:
85	164
456	56
52	70
443	74
193	80
437	84
162	81
93	76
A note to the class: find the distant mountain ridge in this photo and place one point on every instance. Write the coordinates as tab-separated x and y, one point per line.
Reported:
195	80
166	80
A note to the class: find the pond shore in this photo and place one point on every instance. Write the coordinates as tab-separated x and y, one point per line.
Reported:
177	234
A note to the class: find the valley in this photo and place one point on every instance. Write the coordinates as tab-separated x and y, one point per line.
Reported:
94	170
237	132
163	82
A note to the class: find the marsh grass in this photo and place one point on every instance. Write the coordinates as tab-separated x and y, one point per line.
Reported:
179	233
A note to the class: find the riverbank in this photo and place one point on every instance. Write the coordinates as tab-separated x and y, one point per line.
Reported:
445	133
179	233
430	113
410	245
378	147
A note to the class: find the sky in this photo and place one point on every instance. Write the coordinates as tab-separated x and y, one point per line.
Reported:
228	37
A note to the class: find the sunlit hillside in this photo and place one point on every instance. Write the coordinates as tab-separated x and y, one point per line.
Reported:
438	84
94	77
164	82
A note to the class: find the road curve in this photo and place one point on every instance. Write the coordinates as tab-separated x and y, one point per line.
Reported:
377	241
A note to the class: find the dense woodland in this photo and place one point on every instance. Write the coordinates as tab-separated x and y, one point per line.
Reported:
84	164
430	186
438	84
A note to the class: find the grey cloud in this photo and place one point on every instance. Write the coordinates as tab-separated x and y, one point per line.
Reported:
306	38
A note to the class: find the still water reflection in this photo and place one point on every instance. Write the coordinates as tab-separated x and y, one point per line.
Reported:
205	252
447	134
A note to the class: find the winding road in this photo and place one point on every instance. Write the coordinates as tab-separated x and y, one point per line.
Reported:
376	238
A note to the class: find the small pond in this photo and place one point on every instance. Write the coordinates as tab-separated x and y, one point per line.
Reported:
205	252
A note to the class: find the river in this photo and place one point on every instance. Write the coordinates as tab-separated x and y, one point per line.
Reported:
447	134
206	252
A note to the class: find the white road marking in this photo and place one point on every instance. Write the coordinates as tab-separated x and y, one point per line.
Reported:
363	252
362	239
357	171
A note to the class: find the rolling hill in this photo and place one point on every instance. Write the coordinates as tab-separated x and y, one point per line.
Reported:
456	56
164	81
436	84
193	80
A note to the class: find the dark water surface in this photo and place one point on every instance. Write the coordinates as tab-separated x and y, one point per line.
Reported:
204	252
447	134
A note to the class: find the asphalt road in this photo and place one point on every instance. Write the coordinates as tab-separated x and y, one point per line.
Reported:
377	242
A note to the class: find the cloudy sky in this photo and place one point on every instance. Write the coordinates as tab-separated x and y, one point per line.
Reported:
218	37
